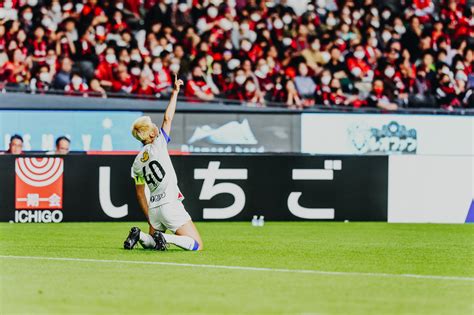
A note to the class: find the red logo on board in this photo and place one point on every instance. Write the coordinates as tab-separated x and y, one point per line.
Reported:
39	183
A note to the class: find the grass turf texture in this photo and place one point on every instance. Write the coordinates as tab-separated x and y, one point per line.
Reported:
60	287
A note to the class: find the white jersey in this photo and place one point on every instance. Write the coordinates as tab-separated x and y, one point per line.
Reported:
153	166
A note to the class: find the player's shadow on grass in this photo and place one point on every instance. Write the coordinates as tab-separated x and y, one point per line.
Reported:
152	251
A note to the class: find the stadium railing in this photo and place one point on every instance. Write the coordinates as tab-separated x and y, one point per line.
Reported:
21	98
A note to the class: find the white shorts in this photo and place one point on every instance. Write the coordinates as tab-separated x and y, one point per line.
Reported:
170	216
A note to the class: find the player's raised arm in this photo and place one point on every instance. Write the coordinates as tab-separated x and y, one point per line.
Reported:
171	108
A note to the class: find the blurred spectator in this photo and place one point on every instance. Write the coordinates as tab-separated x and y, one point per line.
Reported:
16	145
133	47
293	100
97	90
251	94
378	97
305	85
197	86
63	77
77	86
63	145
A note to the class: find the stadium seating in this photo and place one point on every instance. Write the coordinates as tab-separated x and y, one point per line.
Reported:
333	53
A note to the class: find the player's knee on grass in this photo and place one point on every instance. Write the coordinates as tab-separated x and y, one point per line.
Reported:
189	229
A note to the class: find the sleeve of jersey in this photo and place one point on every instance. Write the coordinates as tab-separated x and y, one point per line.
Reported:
138	178
165	135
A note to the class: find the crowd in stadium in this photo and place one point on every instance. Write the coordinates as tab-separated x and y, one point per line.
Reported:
357	53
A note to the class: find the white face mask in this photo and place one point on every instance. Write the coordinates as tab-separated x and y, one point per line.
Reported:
356	15
8	4
174	67
250	87
135	71
287	41
373	42
321	3
461	76
246	46
389	72
325	79
386	36
76	81
212	12
374	12
233	63
47	22
136	57
244	27
240	79
50	60
386	15
32	3
119	6
265	69
28	16
56	8
330	21
400	29
44	76
67	6
225	24
359	54
326	56
278	24
111	58
375	23
255	17
287	19
156	51
157	66
100	30
315	46
183	7
356	71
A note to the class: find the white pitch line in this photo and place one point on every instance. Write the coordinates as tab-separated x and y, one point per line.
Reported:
305	271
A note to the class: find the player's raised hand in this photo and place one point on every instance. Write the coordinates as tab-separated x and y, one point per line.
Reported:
177	83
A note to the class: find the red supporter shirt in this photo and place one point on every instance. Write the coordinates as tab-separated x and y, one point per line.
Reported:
105	71
145	91
358	63
39	50
193	86
123	85
162	80
82	88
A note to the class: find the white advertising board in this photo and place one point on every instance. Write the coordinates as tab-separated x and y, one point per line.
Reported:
431	189
387	134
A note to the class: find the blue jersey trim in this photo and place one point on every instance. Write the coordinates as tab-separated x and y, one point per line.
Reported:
167	138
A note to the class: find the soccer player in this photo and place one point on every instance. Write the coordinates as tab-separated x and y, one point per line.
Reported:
153	167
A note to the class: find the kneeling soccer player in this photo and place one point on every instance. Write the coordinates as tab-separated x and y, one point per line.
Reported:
153	167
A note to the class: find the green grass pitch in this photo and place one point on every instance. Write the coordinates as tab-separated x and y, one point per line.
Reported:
362	252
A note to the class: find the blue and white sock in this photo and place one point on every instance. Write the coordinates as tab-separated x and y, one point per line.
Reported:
185	242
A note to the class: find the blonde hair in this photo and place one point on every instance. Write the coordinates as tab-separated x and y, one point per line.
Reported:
142	128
